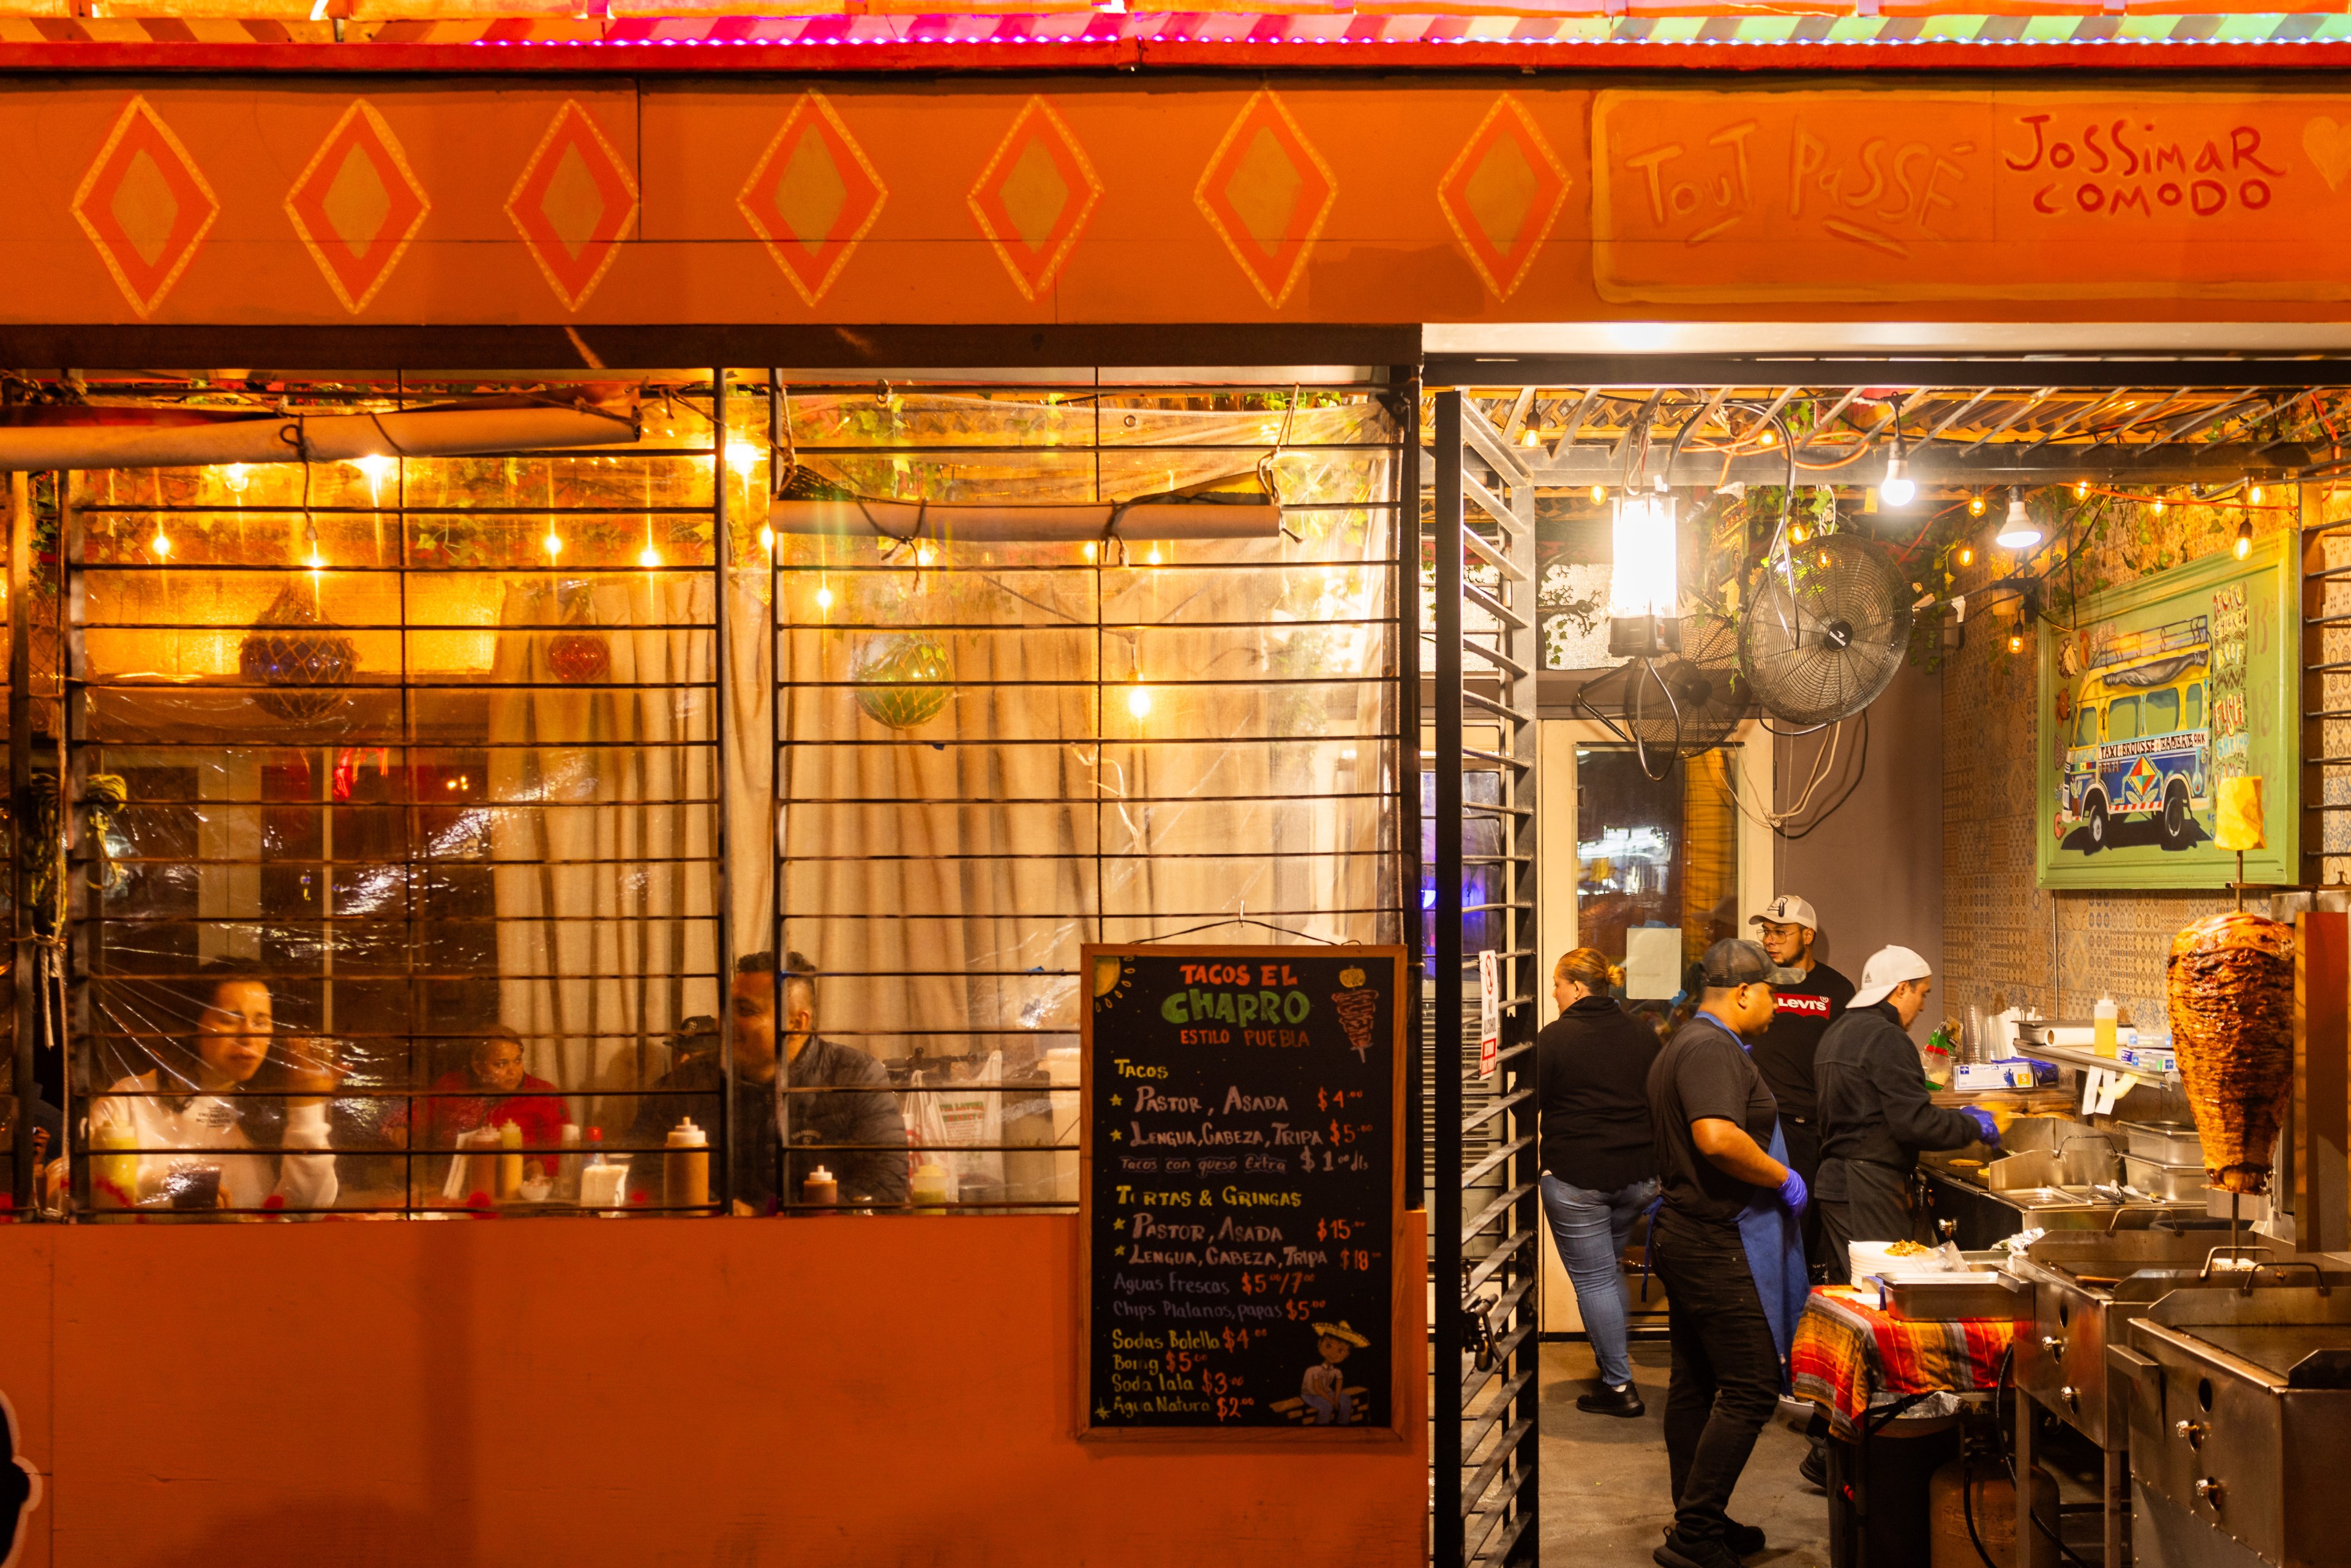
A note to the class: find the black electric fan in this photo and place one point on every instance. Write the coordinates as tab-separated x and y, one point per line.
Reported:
1826	630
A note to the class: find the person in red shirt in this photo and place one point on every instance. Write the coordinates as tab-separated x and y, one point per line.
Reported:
492	1091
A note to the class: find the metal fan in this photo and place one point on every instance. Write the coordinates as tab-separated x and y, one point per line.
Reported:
1710	691
1826	630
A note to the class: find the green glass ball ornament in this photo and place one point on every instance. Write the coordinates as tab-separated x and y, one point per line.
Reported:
902	678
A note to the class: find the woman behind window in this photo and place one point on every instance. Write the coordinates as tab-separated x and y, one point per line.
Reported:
1591	1066
232	1086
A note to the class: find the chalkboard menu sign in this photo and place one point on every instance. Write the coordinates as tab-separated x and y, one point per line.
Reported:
1243	1180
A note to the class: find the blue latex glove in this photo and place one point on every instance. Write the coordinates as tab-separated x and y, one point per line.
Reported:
1792	1192
1983	1120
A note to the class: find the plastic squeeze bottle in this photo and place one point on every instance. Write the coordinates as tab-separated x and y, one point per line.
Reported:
2103	1031
113	1176
509	1161
566	1164
686	1167
929	1188
822	1189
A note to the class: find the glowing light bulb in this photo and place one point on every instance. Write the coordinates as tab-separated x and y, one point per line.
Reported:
768	539
236	476
1975	505
2158	504
1765	439
1090	549
924	554
1138	700
1532	438
1967	555
1897	488
2081	490
317	564
1797	533
1153	558
1599	494
823	598
1824	558
2244	539
552	544
2255	496
2016	642
741	456
649	558
161	544
2020	531
375	465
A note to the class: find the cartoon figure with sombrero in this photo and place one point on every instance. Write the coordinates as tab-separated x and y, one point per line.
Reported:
1324	1398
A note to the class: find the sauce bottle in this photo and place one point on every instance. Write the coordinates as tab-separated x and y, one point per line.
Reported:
822	1189
929	1190
566	1164
113	1176
509	1180
2103	1031
687	1168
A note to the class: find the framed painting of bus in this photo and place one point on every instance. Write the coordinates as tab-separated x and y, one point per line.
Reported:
2157	690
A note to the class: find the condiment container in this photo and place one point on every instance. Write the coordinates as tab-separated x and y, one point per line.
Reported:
686	1166
566	1164
2103	1020
931	1188
510	1161
600	1188
822	1189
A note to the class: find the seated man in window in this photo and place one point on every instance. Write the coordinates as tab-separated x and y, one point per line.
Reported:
846	1126
230	1086
490	1090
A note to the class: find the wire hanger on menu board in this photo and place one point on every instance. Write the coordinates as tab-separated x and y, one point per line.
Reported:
1243	919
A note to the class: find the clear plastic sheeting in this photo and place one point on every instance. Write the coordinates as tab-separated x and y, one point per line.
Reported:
536	835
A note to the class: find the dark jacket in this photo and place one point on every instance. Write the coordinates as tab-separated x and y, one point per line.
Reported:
841	1098
1592	1072
1874	1099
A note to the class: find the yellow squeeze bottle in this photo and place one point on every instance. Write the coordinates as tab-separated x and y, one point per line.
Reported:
2103	1020
509	1161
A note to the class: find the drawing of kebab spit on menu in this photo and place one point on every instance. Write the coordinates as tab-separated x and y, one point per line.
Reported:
1359	1007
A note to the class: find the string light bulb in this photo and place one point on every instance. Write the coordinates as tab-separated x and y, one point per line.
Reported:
766	539
649	558
1599	495
1091	550
552	543
236	476
2159	504
1897	488
1967	555
2081	489
161	544
1533	437
1765	439
2016	642
375	465
1975	505
823	598
2255	495
924	554
1138	699
741	456
2244	539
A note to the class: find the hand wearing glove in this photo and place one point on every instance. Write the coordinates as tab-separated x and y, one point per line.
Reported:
1792	1192
1983	1119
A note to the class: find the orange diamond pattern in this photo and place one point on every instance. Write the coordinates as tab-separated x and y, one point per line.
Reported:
574	204
145	204
812	196
1267	193
1034	197
1503	193
357	206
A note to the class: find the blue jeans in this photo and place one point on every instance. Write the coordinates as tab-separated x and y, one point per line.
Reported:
1591	1228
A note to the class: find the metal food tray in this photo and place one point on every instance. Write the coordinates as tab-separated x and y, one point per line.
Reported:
1940	1296
2159	1180
2165	1143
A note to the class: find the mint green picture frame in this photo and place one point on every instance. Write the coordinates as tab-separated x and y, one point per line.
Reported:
2186	676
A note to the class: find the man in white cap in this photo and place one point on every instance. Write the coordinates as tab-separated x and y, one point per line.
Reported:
1784	1052
1876	1111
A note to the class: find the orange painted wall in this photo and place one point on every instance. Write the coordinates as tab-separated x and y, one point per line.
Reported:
639	1393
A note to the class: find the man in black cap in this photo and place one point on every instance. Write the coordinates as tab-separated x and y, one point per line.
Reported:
1784	1052
1727	1246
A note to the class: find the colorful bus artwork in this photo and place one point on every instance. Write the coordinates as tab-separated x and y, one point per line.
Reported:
2136	733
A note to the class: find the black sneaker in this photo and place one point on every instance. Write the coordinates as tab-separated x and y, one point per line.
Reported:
1814	1469
1677	1553
1606	1401
1744	1539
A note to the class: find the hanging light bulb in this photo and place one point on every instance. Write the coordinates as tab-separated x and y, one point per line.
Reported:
1644	585
236	476
649	558
823	598
2016	642
1153	559
1975	505
2159	504
161	544
2081	489
1138	699
2244	539
1967	555
1091	549
1765	439
2020	531
1599	494
1796	534
1897	488
768	538
1533	437
741	456
552	543
375	465
924	554
2253	495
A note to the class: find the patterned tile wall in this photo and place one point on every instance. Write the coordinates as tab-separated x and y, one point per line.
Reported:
2005	942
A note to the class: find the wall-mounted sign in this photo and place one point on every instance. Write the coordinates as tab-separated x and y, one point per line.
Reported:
1243	1176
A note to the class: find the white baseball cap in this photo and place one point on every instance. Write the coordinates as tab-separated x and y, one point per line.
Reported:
1787	910
1887	968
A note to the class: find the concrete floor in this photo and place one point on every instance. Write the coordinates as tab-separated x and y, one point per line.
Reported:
1605	1499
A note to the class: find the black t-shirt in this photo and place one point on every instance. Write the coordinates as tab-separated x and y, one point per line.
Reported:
1705	1074
1591	1065
1784	1051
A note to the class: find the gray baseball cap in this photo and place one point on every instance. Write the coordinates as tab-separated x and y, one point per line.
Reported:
1734	961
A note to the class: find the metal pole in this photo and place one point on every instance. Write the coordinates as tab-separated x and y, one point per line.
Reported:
1408	766
1446	1454
722	545
25	962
